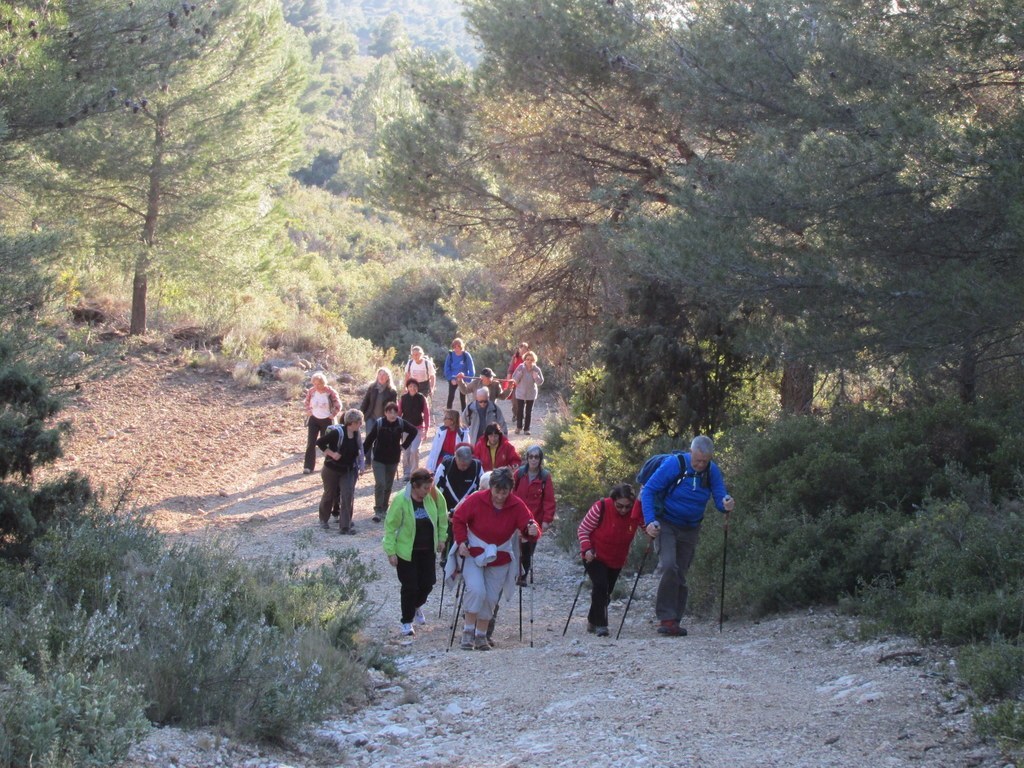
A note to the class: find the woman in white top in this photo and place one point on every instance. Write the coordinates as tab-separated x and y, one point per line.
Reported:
322	405
447	437
421	368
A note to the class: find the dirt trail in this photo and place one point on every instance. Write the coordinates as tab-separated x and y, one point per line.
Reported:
795	690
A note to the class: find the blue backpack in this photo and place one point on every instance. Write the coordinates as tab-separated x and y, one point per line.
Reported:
651	466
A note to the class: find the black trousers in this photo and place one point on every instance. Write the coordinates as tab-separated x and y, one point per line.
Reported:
603	579
315	429
526	549
523	410
452	389
417	577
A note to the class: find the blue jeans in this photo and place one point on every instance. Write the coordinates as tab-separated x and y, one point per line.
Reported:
676	548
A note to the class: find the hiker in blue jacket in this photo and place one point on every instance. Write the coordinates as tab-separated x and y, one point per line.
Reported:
458	365
673	501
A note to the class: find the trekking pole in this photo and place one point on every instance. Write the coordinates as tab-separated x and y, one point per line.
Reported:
520	614
636	581
460	593
531	602
573	608
721	600
440	605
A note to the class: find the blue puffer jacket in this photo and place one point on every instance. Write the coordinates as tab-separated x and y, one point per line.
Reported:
684	503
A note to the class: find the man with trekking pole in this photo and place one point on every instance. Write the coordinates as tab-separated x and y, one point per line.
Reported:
673	498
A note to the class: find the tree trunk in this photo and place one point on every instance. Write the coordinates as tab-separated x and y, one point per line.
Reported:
797	387
140	283
967	376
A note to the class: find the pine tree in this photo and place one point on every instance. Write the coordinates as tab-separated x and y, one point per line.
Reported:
176	180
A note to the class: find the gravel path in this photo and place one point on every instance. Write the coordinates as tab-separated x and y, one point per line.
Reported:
795	690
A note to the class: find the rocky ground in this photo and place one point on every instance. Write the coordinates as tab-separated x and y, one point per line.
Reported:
210	458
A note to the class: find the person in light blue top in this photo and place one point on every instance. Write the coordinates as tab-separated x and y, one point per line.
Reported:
458	365
673	502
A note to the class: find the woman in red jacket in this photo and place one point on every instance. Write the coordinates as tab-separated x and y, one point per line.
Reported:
487	527
494	450
605	534
534	486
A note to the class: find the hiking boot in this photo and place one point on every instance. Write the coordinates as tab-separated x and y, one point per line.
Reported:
601	631
468	640
419	618
480	643
325	525
307	471
376	518
521	580
591	628
526	431
518	430
671	628
408	631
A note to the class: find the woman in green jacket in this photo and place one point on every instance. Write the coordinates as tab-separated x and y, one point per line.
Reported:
416	526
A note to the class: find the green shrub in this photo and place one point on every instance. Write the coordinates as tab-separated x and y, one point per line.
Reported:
858	459
67	717
993	670
585	463
1005	723
195	635
960	575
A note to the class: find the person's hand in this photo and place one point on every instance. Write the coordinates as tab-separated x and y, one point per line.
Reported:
440	547
589	555
728	503
464	549
393	559
653	529
333	454
531	529
460	376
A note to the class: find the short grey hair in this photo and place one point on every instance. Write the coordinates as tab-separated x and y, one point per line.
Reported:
464	452
703	445
318	376
501	478
353	416
484	391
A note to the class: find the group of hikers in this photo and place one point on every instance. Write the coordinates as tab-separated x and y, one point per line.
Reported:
481	507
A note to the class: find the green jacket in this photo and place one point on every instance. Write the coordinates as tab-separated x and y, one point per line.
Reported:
400	524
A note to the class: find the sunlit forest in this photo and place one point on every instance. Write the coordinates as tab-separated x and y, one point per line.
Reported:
796	227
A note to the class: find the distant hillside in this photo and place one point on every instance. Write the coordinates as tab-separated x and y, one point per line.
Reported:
431	24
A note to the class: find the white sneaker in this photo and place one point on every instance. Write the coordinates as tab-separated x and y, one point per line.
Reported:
407	630
419	618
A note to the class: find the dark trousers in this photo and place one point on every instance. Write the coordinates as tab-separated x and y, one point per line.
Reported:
383	481
676	548
526	556
417	577
315	429
452	389
339	493
603	580
523	412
